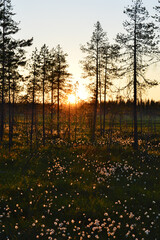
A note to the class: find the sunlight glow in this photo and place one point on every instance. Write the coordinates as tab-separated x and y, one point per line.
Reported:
72	98
82	93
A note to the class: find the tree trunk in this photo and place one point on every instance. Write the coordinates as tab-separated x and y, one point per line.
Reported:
58	130
100	98
141	116
3	80
10	121
96	96
100	105
76	119
13	111
36	123
104	108
32	120
69	123
52	109
44	104
135	86
43	117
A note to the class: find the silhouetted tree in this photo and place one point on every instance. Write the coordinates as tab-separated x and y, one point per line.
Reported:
52	79
61	82
110	56
44	58
15	57
8	27
11	57
91	64
138	44
157	14
33	85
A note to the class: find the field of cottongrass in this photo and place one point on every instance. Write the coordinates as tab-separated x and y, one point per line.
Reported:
81	191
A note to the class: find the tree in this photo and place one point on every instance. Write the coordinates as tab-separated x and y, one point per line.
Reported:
7	27
52	79
33	86
15	57
138	44
157	15
61	79
44	59
11	56
110	55
91	65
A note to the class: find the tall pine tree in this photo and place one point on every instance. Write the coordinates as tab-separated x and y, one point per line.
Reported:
61	80
138	44
92	65
11	56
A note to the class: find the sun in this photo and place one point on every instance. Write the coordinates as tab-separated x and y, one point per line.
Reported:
72	98
78	94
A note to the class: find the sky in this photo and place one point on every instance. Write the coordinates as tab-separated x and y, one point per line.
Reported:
70	23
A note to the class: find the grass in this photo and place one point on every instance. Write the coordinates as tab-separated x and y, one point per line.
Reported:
80	192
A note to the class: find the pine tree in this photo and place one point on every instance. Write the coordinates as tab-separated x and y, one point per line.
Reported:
11	56
157	14
91	65
44	58
52	79
138	43
33	86
15	57
110	56
61	80
8	27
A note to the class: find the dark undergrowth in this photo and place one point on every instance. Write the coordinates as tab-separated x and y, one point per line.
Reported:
73	191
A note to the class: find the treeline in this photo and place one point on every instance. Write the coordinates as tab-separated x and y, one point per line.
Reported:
47	80
76	122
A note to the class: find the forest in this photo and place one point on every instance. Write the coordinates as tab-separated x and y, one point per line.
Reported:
72	168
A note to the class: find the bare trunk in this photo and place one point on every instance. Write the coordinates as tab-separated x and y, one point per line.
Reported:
104	109
52	108
135	87
36	123
44	106
32	120
100	98
69	122
58	129
100	86
10	121
3	80
13	111
141	115
76	119
96	97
